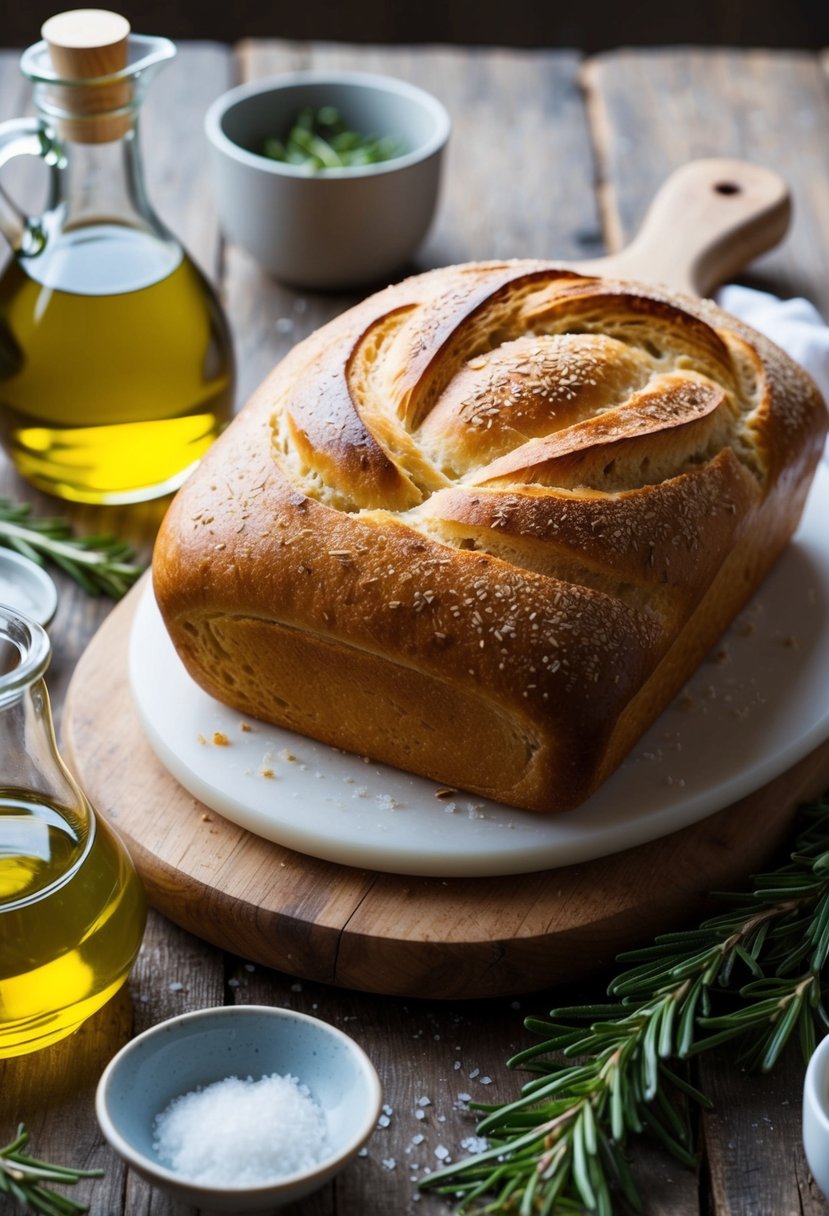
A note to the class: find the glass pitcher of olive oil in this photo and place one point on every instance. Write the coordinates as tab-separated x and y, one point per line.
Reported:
72	908
116	363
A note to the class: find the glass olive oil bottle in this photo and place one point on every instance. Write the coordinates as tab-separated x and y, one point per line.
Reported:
116	364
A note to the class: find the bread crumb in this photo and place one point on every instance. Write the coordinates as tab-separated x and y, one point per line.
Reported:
220	739
245	726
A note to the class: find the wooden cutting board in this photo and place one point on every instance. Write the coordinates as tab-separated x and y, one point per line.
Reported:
436	937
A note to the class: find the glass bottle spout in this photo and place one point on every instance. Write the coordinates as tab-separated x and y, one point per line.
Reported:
99	107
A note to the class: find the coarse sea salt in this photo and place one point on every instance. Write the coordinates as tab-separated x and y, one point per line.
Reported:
242	1133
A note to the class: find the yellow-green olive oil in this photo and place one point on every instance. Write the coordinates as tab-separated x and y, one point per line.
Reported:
116	366
71	920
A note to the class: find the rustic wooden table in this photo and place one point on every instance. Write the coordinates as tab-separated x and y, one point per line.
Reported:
550	156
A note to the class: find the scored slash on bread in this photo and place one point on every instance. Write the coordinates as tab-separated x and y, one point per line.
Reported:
484	525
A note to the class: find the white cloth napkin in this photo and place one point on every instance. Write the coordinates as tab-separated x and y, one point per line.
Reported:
796	325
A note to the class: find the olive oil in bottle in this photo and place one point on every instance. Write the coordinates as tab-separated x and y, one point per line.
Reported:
115	365
71	920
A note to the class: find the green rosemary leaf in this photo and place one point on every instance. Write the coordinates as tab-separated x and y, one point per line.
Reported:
666	1029
675	1147
632	1103
665	945
671	1116
550	1045
640	979
687	1023
580	1172
779	1037
101	565
758	940
748	958
709	1042
25	550
22	1177
617	1112
617	1167
587	1012
744	1016
528	1199
806	1031
819	937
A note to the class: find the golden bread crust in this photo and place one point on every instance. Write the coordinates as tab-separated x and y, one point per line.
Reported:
484	525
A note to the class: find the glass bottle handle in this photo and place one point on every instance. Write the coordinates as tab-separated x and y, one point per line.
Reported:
20	137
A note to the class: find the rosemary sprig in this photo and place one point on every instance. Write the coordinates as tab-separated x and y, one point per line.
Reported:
23	1178
100	564
753	973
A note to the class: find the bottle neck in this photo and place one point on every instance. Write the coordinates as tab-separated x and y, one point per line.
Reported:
99	234
102	183
30	758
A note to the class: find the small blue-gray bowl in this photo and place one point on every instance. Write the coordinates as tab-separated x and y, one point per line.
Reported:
189	1052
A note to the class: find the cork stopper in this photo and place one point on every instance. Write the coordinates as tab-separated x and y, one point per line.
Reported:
90	44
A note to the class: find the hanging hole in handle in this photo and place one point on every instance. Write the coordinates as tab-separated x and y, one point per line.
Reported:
727	188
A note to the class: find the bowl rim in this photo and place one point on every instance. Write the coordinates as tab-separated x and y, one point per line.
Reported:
150	1165
314	76
44	590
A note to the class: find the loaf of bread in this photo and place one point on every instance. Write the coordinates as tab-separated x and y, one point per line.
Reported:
484	525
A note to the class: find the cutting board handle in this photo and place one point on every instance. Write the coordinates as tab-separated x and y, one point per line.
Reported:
709	219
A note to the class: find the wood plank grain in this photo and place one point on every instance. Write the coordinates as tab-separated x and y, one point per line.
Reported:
652	111
667	1187
753	1142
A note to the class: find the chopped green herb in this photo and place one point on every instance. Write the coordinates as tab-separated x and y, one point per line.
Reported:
320	139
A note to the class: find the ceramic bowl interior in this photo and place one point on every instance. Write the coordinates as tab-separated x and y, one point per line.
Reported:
333	228
191	1051
372	105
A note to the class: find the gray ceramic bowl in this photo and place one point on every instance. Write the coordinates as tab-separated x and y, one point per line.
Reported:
336	228
191	1051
